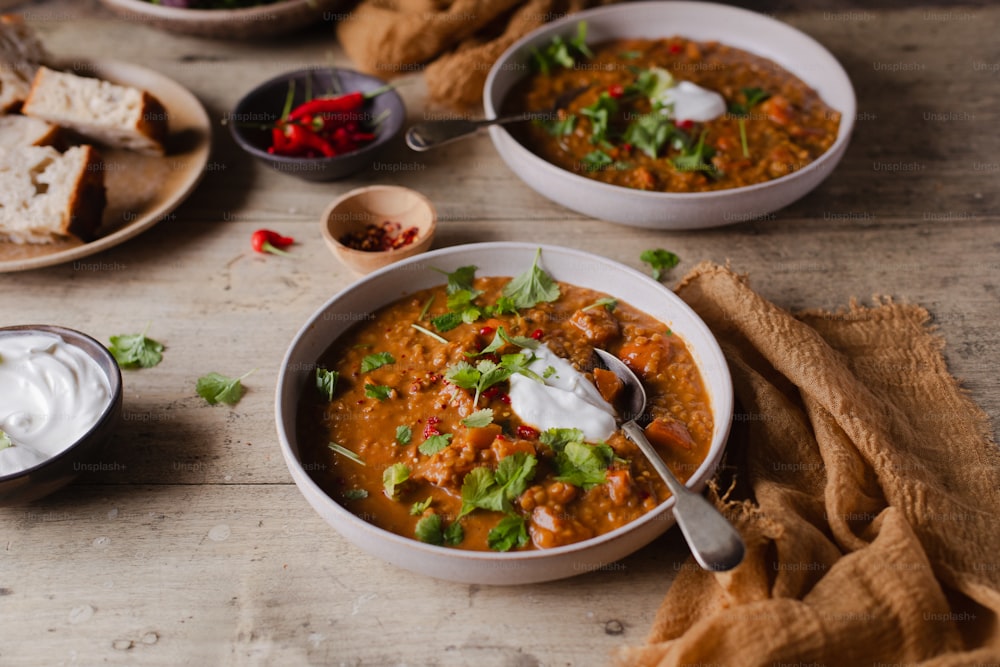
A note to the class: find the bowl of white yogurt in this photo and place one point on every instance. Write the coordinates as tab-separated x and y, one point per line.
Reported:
60	402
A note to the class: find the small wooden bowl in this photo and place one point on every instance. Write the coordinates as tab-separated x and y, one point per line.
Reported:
373	205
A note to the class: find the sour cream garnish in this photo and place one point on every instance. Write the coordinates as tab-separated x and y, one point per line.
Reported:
683	100
565	400
51	393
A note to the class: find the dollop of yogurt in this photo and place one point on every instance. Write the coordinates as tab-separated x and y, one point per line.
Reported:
51	393
683	100
565	399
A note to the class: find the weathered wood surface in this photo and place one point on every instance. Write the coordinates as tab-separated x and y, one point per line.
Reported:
194	547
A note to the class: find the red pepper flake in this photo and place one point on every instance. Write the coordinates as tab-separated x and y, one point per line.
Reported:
525	432
493	392
537	334
685	124
486	332
616	90
378	238
676	48
264	240
505	399
430	428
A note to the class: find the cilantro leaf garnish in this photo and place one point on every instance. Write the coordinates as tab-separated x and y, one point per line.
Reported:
501	337
652	83
344	451
558	127
583	465
630	55
608	302
446	321
379	391
753	97
560	52
326	382
216	388
434	444
597	160
136	350
377	360
393	477
428	332
549	372
504	306
696	158
532	287
430	530
355	494
659	260
483	488
479	418
418	508
461	278
649	132
5	440
404	434
600	113
558	438
510	532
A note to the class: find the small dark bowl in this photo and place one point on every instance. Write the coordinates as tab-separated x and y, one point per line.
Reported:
59	470
263	105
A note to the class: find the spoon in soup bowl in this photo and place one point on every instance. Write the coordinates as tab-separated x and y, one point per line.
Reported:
424	136
713	541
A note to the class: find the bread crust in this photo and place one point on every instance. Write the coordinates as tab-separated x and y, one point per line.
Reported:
89	197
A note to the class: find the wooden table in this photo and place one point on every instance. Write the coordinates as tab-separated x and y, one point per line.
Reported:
194	547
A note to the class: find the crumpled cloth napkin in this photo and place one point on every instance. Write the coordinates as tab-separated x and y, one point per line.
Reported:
867	488
454	42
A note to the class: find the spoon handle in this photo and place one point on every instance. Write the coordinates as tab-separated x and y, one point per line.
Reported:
424	136
713	541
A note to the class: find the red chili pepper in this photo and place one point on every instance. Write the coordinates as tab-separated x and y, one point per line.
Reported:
525	432
279	142
301	136
264	240
339	104
616	90
537	334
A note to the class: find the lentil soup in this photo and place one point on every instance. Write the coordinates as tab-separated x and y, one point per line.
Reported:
419	435
672	115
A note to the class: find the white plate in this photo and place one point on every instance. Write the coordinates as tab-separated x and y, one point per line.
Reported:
141	189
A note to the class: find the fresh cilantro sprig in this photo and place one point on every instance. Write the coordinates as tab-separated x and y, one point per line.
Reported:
512	531
430	529
136	350
532	287
375	361
393	477
558	438
418	508
501	338
355	494
607	302
5	440
487	373
217	388
650	132
600	114
752	97
479	418
560	52
434	444
486	489
378	391
558	127
696	158
584	465
326	382
404	434
659	260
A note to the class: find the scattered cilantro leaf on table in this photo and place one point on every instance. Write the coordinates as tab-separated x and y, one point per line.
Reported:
217	388
659	260
136	350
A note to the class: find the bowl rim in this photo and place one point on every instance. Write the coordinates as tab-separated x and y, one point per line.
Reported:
424	235
72	336
500	133
701	475
393	129
198	13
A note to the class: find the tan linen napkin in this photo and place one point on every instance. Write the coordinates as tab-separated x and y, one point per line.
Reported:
453	41
867	490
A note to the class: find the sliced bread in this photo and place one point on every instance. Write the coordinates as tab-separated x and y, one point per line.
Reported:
46	195
16	130
104	112
21	53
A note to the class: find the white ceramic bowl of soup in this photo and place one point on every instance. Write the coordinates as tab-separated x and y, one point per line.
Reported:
755	33
355	303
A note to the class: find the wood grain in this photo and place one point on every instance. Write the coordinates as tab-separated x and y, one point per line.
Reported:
192	546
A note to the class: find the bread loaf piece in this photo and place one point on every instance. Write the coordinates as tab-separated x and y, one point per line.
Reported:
47	195
21	53
16	130
107	113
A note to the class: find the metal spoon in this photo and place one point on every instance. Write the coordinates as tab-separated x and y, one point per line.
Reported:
713	541
424	136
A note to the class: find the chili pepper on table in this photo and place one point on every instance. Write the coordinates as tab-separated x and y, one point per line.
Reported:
265	240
